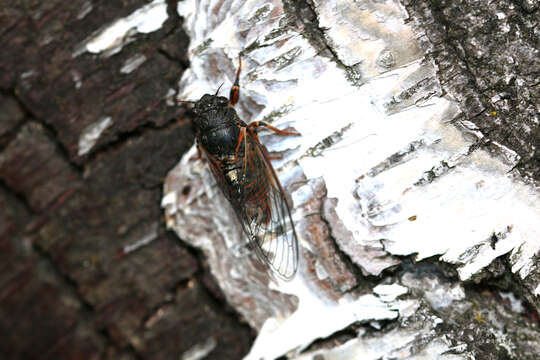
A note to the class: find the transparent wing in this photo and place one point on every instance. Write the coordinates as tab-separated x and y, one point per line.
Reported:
270	228
260	204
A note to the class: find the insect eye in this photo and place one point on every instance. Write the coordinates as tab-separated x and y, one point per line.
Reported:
221	101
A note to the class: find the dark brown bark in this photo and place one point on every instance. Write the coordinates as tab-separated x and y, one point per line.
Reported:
88	270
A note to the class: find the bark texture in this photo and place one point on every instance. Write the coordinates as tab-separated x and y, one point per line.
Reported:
88	270
488	60
87	137
413	184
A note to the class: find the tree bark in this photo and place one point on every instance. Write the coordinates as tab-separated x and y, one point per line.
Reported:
87	134
414	184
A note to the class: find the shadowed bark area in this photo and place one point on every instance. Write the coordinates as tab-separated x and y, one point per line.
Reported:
88	270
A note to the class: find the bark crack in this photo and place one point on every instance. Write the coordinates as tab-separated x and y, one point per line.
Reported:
303	11
50	132
131	135
351	266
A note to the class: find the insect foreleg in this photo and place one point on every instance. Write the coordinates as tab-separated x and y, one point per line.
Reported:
235	89
240	138
257	124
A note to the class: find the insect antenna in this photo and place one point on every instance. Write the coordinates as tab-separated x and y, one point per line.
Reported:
217	91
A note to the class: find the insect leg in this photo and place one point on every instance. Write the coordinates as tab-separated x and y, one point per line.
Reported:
235	89
263	147
257	124
240	138
245	151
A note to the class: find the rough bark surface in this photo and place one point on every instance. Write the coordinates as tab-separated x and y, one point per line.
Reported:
412	186
487	56
88	270
87	267
488	59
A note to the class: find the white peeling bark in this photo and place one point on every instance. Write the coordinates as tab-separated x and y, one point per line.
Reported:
384	167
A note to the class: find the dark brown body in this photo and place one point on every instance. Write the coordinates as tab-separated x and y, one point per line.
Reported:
243	171
218	128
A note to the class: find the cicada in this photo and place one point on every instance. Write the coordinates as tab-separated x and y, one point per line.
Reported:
243	171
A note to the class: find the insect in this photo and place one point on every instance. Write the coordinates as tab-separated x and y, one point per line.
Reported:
242	169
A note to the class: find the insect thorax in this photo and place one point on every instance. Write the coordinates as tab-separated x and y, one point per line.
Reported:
216	125
220	141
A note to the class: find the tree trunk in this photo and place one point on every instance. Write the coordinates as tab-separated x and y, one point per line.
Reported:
413	185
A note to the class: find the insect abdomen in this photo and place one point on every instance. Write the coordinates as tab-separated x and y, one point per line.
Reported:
246	187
